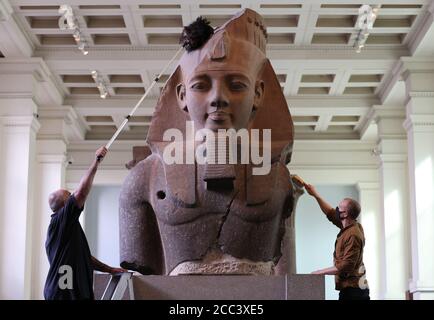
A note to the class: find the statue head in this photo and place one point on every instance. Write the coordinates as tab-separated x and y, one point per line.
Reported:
220	86
226	83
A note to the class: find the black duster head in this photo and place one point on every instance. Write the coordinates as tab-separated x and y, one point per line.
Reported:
196	34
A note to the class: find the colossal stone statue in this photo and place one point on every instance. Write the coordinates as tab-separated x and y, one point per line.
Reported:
205	218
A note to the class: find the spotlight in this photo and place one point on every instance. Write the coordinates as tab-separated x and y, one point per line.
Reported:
68	22
103	93
365	23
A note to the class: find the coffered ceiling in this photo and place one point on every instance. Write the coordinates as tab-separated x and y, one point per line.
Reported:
329	87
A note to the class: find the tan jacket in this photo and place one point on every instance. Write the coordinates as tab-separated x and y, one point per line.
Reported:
348	255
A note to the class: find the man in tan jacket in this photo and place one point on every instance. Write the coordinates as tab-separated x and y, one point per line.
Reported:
348	268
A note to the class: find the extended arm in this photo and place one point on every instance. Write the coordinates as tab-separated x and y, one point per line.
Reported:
327	271
99	266
86	182
324	205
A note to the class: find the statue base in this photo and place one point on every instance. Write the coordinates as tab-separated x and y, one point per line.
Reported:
224	287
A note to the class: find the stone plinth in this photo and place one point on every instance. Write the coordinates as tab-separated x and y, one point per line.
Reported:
224	287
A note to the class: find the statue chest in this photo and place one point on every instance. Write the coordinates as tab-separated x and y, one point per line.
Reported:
213	204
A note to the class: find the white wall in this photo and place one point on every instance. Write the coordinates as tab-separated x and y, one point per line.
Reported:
101	221
315	235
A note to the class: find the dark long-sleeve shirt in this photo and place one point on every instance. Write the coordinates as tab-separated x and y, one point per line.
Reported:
68	251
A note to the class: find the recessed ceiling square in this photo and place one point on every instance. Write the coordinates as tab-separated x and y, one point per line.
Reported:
77	90
385	38
313	90
53	39
77	78
336	21
111	39
104	21
365	78
159	21
287	21
312	78
334	38
359	90
280	6
163	38
281	38
125	78
129	90
43	22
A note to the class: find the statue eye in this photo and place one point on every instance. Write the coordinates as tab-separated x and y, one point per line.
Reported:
199	85
238	85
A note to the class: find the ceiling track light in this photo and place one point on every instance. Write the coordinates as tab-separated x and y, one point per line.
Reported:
68	22
103	92
365	23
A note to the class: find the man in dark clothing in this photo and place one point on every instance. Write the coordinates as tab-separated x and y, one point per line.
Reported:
70	276
348	268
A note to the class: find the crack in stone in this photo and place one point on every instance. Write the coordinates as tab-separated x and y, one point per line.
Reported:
223	219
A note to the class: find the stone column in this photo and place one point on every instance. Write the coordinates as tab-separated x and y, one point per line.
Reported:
51	164
50	168
372	222
419	79
16	203
392	148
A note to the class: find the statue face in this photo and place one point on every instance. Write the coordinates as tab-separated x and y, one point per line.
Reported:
220	99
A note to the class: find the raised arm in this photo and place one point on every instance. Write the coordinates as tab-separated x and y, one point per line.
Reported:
324	205
86	182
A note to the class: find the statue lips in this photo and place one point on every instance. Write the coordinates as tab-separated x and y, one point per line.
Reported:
219	116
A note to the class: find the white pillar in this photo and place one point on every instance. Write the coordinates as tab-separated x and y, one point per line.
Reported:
372	222
51	163
419	78
16	181
392	146
50	168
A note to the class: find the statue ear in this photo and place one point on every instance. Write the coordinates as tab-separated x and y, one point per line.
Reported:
180	94
259	94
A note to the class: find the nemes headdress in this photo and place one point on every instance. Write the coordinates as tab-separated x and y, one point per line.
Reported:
246	28
219	49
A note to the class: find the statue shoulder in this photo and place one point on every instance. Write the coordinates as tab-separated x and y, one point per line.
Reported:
136	185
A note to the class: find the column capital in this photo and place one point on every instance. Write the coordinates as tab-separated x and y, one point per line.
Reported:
51	147
60	122
379	112
389	120
418	74
397	160
368	186
21	122
33	78
416	65
51	158
419	123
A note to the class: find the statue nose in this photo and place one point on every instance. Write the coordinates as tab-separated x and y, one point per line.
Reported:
219	99
219	103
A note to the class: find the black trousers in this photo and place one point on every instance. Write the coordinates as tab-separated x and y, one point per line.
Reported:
354	294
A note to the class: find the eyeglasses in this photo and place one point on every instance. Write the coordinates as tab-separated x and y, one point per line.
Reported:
339	211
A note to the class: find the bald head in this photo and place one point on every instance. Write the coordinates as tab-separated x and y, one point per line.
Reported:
57	199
